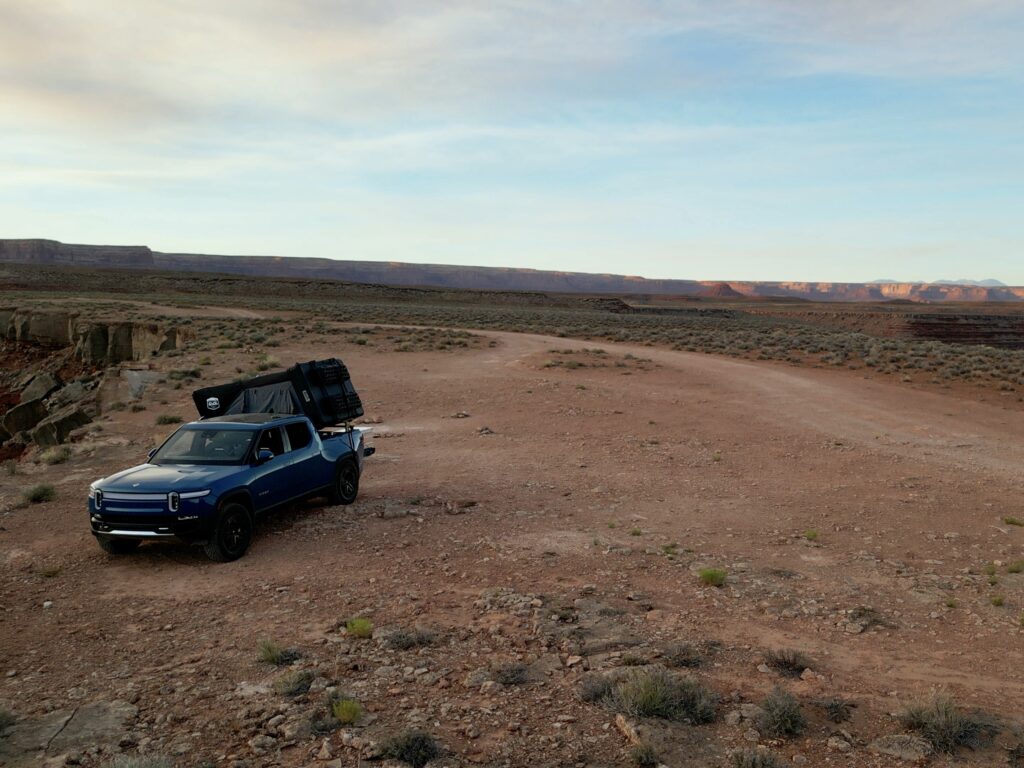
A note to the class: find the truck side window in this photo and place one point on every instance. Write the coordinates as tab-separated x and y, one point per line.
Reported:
271	438
298	435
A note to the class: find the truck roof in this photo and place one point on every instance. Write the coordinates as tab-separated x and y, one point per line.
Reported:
259	419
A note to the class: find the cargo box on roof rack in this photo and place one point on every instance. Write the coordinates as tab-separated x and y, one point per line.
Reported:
320	390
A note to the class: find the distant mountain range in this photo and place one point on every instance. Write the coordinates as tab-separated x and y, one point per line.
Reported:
990	283
51	252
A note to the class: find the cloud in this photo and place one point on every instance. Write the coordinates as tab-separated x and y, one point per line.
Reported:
156	65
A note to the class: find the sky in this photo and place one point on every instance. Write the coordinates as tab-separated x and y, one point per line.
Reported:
826	140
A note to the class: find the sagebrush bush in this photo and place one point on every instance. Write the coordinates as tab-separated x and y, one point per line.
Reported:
404	639
40	494
947	727
644	756
168	418
755	758
514	673
413	747
787	661
56	455
294	683
780	715
655	692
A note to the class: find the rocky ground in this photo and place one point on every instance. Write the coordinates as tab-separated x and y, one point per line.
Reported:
531	543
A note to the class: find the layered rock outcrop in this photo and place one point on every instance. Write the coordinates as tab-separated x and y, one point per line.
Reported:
95	342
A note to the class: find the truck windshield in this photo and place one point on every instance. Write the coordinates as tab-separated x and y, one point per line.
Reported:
205	446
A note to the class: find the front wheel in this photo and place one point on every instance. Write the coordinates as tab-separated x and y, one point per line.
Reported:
231	534
346	484
118	546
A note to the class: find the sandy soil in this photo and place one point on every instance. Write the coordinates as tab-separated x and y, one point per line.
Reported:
855	519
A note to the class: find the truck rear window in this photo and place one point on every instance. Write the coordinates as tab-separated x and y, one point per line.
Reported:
205	446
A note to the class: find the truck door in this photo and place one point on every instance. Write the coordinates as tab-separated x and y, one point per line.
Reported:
305	464
270	485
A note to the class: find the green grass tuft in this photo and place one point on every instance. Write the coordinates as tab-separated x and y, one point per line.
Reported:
713	577
347	711
359	627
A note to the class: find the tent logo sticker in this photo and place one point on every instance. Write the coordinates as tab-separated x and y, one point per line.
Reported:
213	403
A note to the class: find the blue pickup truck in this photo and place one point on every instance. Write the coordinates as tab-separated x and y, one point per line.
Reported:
210	480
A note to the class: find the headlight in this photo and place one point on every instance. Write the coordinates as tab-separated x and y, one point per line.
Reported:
194	494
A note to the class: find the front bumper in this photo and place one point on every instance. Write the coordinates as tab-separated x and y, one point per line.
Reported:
126	518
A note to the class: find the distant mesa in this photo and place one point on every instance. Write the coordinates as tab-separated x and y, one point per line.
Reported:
400	274
719	291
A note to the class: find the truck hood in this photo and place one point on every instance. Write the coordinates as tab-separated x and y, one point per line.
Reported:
153	478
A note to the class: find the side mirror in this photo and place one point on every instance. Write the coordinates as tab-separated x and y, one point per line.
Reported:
263	455
151	453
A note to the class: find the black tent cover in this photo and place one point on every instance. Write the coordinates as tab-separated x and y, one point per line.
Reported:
319	389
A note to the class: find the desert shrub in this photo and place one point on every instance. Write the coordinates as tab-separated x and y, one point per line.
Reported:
294	683
7	719
271	652
359	627
404	639
712	577
682	655
184	373
644	756
137	407
755	758
787	661
837	710
56	455
656	692
413	747
1013	521
39	494
811	535
946	727
346	711
168	418
140	761
780	715
117	405
510	674
1015	756
594	688
997	600
1017	566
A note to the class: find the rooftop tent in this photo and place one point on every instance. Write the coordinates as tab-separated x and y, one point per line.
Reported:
320	389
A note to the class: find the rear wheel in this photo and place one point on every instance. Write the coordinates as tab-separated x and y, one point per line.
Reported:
346	483
118	546
231	534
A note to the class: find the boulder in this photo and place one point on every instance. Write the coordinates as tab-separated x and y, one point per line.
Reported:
24	416
74	392
40	386
57	428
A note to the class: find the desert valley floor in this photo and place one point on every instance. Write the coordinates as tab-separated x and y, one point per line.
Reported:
547	503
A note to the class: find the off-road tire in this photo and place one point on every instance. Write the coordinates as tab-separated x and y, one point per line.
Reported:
231	535
346	483
118	546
